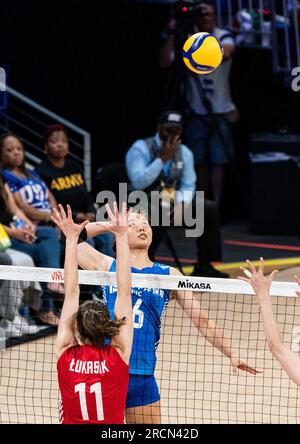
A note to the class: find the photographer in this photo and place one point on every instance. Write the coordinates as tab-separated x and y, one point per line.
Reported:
210	111
163	163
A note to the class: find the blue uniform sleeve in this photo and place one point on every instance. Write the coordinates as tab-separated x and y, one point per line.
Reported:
140	170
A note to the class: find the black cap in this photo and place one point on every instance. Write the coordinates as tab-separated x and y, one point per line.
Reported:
171	118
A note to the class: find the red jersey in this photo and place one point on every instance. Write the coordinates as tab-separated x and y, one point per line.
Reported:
93	384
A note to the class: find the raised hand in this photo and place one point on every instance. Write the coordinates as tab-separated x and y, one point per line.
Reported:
118	221
261	284
170	147
66	224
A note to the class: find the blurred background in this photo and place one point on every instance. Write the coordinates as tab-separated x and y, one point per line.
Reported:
96	65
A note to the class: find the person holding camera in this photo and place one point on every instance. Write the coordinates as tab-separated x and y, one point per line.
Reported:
162	163
210	111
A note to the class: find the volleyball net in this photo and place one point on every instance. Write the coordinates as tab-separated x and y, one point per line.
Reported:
195	379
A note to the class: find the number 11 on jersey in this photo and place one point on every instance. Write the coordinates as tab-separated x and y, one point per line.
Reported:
95	388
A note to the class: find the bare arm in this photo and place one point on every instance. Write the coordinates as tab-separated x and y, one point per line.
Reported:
200	319
167	53
31	212
66	329
261	284
207	327
95	228
289	360
52	200
88	257
14	209
123	305
91	259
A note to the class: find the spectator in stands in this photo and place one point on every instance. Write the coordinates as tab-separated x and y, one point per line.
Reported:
210	111
30	191
40	243
163	163
14	295
65	179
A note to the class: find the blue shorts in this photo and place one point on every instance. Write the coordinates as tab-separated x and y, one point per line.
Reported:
205	143
142	390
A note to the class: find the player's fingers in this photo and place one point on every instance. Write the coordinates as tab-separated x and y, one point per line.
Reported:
84	224
69	212
246	272
123	214
62	211
248	369
109	212
253	371
251	266
57	214
116	211
241	278
274	272
56	221
261	265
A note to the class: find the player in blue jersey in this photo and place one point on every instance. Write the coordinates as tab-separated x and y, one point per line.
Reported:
143	400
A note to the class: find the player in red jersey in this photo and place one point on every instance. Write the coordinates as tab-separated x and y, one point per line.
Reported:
93	377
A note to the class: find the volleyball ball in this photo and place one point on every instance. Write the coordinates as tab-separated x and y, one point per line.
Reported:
202	53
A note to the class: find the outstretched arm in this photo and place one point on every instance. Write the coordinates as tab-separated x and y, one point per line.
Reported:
123	304
14	209
66	329
31	212
95	228
88	257
261	284
207	327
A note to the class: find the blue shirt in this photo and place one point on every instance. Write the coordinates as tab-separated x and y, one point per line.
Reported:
143	171
33	189
148	306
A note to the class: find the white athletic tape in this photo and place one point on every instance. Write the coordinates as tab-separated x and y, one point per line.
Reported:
199	284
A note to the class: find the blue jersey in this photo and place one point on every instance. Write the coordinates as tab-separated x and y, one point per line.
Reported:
33	189
148	306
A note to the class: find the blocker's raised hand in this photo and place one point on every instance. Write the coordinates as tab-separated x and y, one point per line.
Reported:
118	221
66	224
261	284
